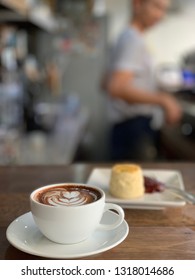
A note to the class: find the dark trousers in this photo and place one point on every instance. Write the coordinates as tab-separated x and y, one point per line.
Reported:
134	139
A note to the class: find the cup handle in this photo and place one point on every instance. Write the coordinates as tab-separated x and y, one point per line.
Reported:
120	218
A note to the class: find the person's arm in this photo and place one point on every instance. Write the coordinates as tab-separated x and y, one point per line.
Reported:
120	86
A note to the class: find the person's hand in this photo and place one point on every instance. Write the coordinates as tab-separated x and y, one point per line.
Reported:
172	108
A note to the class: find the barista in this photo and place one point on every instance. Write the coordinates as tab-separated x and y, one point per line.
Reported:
137	109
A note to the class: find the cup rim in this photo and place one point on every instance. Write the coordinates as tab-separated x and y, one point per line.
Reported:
62	184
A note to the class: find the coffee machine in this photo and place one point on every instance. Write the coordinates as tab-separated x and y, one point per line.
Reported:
187	95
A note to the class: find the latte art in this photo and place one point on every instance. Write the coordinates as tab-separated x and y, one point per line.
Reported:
67	196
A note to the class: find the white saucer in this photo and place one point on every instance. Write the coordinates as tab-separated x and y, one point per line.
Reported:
23	234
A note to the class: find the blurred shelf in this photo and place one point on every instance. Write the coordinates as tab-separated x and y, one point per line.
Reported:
10	16
19	6
49	24
20	11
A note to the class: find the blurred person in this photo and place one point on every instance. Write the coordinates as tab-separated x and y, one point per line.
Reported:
137	109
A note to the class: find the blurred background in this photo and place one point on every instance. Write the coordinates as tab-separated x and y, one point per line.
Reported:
52	58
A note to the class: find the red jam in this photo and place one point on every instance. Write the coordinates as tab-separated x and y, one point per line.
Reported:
152	185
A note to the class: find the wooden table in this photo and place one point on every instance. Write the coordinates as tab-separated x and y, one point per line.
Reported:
154	234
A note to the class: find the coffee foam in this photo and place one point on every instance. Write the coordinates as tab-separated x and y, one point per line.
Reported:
67	196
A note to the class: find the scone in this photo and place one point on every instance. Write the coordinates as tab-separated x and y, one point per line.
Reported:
126	181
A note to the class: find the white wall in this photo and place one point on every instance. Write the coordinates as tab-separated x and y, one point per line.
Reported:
174	36
118	12
169	40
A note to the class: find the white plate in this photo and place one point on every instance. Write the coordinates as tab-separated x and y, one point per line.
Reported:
101	177
23	234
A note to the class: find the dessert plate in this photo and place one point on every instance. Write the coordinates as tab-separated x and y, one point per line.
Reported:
100	177
23	234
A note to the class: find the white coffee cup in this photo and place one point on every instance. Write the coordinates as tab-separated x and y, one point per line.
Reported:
71	223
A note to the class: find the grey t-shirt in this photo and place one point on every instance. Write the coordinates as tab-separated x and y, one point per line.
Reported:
131	54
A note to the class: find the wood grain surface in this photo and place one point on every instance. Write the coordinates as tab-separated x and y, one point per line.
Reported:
154	234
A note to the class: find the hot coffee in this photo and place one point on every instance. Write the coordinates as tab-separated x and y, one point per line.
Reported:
70	212
67	195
